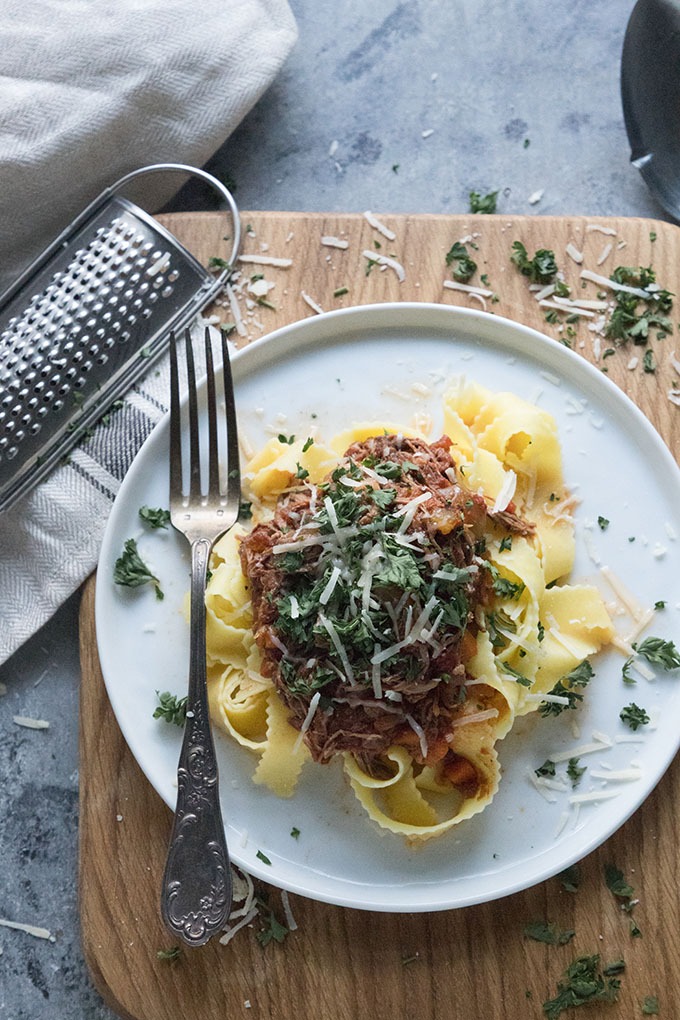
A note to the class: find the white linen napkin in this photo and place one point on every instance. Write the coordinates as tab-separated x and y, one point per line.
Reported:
90	92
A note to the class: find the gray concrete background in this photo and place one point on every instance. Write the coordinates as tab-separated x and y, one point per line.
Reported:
519	96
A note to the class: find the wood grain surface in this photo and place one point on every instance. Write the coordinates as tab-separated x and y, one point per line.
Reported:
340	963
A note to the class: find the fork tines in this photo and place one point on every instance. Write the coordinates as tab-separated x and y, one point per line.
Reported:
204	462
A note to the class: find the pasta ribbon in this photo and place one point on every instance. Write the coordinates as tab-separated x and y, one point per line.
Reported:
283	753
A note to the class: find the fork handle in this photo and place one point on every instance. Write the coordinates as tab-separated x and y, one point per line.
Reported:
196	891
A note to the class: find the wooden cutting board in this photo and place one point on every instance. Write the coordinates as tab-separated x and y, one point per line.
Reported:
341	963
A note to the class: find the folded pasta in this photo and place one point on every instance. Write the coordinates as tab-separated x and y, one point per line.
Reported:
397	604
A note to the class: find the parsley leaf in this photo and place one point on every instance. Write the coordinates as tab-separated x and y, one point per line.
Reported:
542	268
570	878
548	933
171	708
580	676
584	981
131	571
383	497
169	954
659	652
273	930
155	518
575	771
616	883
483	203
633	716
463	266
401	570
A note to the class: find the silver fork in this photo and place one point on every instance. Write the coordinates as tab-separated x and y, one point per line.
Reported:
196	892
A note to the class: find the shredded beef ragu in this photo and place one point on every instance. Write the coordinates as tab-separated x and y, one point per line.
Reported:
422	684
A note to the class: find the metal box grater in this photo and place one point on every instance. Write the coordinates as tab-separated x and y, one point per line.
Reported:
86	320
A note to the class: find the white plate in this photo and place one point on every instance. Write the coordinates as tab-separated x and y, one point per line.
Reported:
391	362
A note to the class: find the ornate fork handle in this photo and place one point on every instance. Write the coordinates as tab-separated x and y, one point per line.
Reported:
196	891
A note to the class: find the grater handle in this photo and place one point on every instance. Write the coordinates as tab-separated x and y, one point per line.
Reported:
62	239
216	185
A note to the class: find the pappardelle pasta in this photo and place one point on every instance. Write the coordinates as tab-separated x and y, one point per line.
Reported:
398	603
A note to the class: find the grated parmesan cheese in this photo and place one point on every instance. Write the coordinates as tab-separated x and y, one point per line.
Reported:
28	929
266	260
30	724
604	281
467	288
380	226
387	263
573	253
334	242
307	721
311	302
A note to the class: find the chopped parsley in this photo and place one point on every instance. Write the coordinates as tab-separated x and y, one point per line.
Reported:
633	716
171	708
169	954
659	652
542	268
580	676
263	857
245	511
584	981
515	674
273	930
548	933
575	771
617	884
307	443
131	571
215	262
546	769
295	832
602	523
634	315
485	204
317	612
503	586
570	878
155	518
650	1005
286	440
462	266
